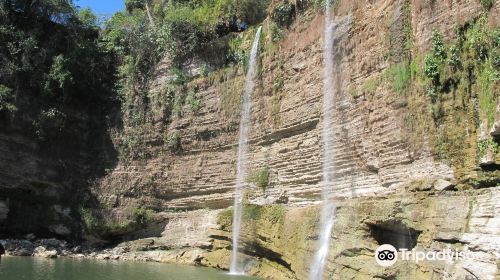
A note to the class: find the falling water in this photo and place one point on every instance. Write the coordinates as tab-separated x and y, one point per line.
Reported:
236	265
328	209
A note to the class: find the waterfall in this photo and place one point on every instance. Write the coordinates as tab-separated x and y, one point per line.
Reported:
328	209
236	265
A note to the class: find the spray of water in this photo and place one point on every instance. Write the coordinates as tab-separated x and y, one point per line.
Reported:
328	209
236	265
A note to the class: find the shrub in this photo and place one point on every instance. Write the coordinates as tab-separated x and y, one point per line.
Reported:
177	105
275	213
483	145
282	14
193	100
370	85
131	5
276	32
180	77
252	211
260	178
185	40
142	216
487	4
58	73
438	49
49	123
431	67
478	40
6	100
132	144
454	58
173	141
431	91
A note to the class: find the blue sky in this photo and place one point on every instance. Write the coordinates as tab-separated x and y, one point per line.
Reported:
102	7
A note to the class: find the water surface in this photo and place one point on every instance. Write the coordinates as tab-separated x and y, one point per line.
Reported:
27	268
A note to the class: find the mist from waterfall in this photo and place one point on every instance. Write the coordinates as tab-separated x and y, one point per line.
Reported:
328	209
236	264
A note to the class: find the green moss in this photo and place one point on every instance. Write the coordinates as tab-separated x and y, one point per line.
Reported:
486	79
484	145
370	85
400	76
98	222
275	213
252	212
260	178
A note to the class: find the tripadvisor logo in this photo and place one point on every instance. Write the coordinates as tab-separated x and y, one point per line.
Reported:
386	255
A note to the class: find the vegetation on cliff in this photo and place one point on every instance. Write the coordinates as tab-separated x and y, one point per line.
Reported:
56	99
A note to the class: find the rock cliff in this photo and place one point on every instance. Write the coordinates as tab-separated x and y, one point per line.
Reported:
410	168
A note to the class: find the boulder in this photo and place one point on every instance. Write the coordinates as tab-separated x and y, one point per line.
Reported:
495	130
41	251
442	185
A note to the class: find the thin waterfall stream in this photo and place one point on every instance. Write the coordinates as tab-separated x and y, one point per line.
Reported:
236	264
328	208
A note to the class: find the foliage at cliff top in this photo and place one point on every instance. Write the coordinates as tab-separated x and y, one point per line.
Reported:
180	31
51	60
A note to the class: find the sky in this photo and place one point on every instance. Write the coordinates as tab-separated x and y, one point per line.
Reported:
102	7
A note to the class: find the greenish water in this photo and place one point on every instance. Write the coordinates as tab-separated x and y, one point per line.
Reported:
19	268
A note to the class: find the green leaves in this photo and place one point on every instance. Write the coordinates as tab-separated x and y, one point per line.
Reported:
6	100
58	73
260	178
282	14
431	68
88	18
438	49
487	4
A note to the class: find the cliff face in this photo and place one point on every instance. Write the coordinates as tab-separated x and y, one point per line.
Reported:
384	140
43	183
409	169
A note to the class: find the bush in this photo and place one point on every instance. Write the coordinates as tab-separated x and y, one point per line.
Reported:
454	58
6	100
49	124
58	76
185	40
94	221
431	67
438	49
193	100
142	216
260	178
487	4
252	211
275	213
173	141
282	14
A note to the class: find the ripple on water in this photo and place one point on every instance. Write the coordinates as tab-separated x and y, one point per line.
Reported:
27	268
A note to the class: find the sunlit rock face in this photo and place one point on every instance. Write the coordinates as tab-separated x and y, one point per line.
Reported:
378	151
394	181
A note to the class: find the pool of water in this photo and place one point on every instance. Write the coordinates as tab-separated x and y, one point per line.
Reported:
20	268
